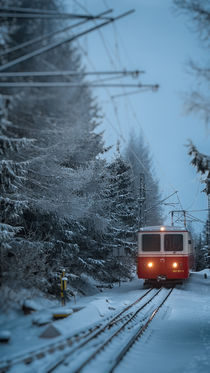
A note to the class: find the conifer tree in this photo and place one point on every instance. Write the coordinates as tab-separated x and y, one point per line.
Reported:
123	218
138	156
54	128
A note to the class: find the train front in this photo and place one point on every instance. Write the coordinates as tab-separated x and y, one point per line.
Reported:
164	253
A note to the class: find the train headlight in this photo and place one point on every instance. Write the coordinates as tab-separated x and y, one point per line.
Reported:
150	264
175	265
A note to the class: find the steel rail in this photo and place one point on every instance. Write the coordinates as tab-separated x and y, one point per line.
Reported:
27	358
139	333
102	346
115	320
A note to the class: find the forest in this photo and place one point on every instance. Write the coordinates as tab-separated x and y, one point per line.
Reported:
104	186
63	204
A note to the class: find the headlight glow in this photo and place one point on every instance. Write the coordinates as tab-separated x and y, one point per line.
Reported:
175	265
150	264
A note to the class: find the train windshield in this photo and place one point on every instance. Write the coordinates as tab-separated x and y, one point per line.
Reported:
173	242
150	242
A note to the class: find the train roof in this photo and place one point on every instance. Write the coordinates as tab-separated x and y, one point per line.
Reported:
163	228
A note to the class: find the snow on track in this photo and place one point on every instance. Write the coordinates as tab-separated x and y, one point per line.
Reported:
178	339
110	337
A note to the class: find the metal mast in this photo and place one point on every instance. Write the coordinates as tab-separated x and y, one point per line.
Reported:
208	225
142	200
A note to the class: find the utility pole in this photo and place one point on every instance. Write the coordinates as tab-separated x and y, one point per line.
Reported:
142	200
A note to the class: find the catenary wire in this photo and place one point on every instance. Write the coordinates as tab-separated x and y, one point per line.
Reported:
58	43
134	114
48	35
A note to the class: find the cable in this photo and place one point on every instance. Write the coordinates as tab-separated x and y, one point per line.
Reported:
137	120
112	63
135	92
113	103
48	35
196	195
127	55
58	43
32	10
197	210
159	203
64	73
65	84
103	41
111	60
106	89
49	16
149	86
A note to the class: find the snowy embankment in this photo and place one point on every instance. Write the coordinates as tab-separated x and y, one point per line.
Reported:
178	338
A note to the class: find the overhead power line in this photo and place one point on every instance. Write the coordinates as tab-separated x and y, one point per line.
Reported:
68	84
15	74
58	43
160	202
184	214
30	10
50	34
197	210
153	87
13	12
45	16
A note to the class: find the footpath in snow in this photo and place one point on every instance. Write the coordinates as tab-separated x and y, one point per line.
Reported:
178	339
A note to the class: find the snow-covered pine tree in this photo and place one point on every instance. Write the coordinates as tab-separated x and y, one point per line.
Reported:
60	163
122	208
201	250
95	221
202	163
138	156
13	177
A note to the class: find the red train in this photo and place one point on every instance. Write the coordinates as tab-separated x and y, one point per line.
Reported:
165	254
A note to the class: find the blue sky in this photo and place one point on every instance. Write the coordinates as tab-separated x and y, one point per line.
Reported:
159	41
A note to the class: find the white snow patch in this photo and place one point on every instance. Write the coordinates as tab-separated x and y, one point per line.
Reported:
178	339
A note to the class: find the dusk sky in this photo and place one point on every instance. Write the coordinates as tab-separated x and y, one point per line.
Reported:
159	41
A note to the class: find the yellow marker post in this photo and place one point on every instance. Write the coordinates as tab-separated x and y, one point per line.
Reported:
63	280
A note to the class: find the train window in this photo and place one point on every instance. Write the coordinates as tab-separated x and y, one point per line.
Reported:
173	242
150	242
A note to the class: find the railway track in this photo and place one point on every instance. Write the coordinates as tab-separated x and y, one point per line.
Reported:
110	337
70	343
119	357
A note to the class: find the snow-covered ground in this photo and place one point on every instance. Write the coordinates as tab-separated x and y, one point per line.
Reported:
178	339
